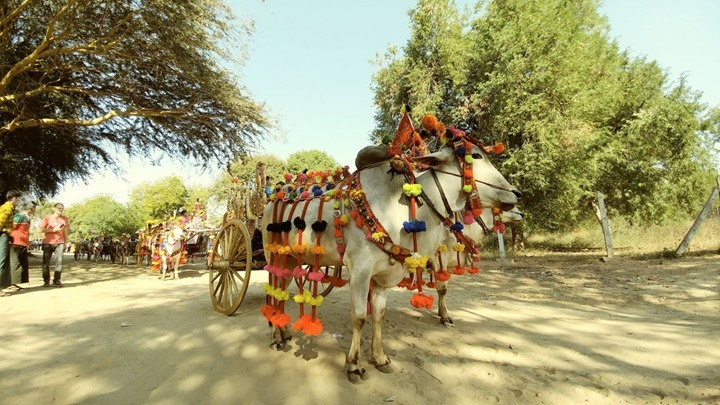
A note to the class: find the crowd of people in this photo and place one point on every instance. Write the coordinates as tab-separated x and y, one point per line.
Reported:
15	216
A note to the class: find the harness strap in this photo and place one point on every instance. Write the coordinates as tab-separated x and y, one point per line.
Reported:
448	210
369	223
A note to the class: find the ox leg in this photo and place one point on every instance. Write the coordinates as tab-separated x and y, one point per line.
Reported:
280	337
442	305
379	304
176	266
359	287
163	267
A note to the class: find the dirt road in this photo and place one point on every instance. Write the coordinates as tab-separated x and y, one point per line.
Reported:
547	329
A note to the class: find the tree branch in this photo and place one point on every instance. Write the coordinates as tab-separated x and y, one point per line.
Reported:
18	123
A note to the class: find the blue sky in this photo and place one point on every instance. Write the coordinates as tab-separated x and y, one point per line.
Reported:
310	63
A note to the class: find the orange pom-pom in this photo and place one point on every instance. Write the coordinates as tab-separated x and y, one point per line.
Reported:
404	282
473	270
429	122
280	320
269	311
422	301
442	275
432	284
313	328
459	270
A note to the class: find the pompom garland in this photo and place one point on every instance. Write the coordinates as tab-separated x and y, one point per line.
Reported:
414	226
412	190
442	275
422	301
308	325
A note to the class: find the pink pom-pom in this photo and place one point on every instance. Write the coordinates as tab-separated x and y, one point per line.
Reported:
299	272
315	275
468	218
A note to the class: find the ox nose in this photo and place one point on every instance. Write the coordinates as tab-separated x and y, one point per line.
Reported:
517	193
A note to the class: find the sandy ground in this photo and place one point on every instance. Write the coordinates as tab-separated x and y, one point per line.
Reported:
548	329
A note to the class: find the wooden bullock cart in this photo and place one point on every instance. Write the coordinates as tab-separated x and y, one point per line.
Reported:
238	246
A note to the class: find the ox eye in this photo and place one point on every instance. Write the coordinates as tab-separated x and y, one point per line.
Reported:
477	156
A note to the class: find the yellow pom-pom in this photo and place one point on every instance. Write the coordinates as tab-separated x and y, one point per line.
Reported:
316	301
459	247
412	190
441	248
317	250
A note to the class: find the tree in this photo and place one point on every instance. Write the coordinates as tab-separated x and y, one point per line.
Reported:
310	160
429	75
576	115
81	79
102	215
161	199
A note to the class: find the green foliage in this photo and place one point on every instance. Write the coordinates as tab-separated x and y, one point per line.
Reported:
82	79
160	200
310	160
102	215
577	116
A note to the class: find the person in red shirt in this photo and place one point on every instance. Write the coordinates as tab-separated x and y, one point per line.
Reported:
19	268
55	227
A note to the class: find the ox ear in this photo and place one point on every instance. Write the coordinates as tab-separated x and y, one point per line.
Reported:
433	159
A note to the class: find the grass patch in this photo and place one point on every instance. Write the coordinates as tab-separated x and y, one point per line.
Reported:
631	240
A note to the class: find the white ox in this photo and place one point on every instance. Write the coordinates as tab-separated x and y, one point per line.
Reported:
372	269
171	253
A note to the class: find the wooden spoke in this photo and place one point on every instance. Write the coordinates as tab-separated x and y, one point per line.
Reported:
229	269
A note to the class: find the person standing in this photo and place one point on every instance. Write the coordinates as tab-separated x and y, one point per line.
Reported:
7	210
19	268
55	227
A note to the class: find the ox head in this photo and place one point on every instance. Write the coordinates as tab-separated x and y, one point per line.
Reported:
482	184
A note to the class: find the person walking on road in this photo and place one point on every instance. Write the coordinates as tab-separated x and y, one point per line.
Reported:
7	211
19	268
55	227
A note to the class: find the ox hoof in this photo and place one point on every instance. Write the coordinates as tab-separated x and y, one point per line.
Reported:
386	368
357	376
448	322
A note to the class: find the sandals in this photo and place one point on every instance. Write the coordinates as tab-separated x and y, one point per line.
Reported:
15	287
3	294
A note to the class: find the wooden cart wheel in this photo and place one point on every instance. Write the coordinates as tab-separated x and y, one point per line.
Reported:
230	268
325	288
